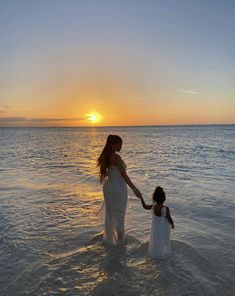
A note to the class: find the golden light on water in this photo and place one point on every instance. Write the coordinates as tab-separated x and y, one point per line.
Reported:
94	117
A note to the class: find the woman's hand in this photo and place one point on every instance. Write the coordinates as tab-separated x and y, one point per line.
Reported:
137	192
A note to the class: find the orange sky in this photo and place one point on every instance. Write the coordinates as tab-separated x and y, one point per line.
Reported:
155	64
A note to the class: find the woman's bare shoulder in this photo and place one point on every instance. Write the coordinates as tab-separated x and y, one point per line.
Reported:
115	158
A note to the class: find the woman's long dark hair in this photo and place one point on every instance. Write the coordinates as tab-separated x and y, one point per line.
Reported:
103	161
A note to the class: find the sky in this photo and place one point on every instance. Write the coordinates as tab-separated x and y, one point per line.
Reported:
109	62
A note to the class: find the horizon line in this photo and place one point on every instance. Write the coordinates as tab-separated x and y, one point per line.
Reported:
105	126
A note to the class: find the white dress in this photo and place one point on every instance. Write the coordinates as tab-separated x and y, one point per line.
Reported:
159	244
115	200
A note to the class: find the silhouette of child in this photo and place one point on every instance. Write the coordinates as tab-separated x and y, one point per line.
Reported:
159	244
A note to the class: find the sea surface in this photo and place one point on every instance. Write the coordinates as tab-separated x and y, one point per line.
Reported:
50	235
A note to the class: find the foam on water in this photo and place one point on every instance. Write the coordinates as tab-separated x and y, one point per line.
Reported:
50	237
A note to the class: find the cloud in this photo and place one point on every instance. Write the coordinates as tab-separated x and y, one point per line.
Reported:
12	119
136	99
41	120
188	91
96	102
4	107
54	119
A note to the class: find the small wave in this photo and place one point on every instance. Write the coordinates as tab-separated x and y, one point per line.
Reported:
61	166
9	188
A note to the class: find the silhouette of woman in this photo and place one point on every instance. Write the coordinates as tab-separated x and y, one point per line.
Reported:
114	178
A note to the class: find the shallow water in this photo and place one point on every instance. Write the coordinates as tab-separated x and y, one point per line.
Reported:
50	242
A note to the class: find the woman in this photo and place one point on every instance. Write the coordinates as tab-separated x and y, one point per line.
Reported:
114	189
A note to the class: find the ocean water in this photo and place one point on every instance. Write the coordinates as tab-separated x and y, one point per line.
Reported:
50	236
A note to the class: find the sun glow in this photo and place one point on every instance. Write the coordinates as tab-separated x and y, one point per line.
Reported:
94	117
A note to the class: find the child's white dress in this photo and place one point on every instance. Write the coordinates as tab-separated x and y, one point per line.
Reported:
159	244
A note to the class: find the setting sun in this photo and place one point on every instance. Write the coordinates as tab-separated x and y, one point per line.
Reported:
94	117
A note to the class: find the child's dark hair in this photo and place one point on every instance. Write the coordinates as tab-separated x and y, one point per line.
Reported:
159	195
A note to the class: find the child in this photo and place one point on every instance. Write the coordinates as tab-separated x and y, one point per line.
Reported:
159	244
